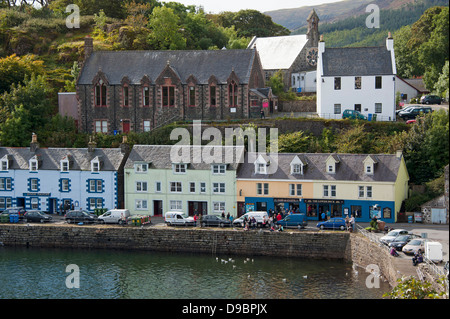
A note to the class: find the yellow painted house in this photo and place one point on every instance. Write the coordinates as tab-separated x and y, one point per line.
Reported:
362	185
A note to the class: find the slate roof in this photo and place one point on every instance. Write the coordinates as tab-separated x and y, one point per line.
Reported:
50	158
202	64
278	52
349	168
159	157
357	61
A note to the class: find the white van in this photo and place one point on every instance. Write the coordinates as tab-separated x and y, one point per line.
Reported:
178	218
433	251
260	217
115	216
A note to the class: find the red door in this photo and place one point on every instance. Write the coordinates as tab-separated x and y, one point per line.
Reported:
125	126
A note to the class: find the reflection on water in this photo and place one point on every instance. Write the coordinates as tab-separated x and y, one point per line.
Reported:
41	273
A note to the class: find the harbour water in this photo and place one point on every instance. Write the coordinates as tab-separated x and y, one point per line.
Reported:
32	273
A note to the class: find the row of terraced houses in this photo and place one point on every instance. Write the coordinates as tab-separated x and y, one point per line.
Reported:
150	180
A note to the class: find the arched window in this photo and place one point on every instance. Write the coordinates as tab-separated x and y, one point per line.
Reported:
100	94
232	94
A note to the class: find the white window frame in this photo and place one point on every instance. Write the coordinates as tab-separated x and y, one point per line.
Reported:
158	187
176	205
4	165
219	207
33	165
192	187
141	168
95	166
179	168
64	165
141	187
140	204
202	187
219	169
5	184
297	169
219	188
177	187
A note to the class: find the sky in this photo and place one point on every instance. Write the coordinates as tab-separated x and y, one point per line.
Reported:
217	6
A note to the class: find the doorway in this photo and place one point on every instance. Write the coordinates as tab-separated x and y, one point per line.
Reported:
157	207
198	208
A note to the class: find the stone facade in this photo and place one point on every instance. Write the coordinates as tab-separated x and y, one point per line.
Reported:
139	90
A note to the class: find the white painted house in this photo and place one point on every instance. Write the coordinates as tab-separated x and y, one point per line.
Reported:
362	79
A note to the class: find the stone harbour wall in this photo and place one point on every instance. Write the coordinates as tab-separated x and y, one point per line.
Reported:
317	245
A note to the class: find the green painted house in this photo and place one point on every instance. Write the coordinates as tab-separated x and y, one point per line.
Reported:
200	180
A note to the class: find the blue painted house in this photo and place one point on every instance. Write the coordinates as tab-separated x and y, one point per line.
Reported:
50	178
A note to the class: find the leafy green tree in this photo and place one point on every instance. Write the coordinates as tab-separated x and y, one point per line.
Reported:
250	23
442	84
353	140
296	142
14	69
26	109
165	27
412	288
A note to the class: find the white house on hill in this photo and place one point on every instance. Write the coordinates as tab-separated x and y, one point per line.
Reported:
361	79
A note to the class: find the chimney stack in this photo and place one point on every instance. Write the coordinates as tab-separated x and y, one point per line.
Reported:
124	146
88	47
91	146
34	145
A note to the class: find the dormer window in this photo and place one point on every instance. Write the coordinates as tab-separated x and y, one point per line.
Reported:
261	165
369	164
331	162
179	168
219	169
65	163
96	164
141	167
5	162
297	165
34	164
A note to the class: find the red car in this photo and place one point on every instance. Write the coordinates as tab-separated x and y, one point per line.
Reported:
411	121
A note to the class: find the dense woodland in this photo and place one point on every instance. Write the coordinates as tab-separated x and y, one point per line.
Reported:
40	55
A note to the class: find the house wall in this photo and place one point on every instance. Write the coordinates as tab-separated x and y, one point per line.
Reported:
50	195
277	189
165	176
347	96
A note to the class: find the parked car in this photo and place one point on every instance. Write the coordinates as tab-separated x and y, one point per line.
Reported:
333	223
353	115
178	218
389	237
115	216
36	216
79	216
414	246
430	99
260	217
413	113
400	241
15	210
293	220
214	220
406	109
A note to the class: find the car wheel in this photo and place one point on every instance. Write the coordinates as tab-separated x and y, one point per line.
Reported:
221	225
321	227
203	224
42	220
342	227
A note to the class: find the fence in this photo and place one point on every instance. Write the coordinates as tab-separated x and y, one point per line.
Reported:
372	117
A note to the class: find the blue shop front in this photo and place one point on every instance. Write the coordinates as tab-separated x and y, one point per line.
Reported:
362	210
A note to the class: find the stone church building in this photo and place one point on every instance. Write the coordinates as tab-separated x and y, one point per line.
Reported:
294	55
123	91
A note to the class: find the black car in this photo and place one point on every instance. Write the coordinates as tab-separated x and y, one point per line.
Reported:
15	210
79	216
401	241
214	220
413	113
36	216
431	99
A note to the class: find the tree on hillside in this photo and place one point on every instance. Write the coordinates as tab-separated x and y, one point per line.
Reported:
14	69
166	30
25	109
249	23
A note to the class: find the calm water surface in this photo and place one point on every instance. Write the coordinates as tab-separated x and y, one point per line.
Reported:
41	273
